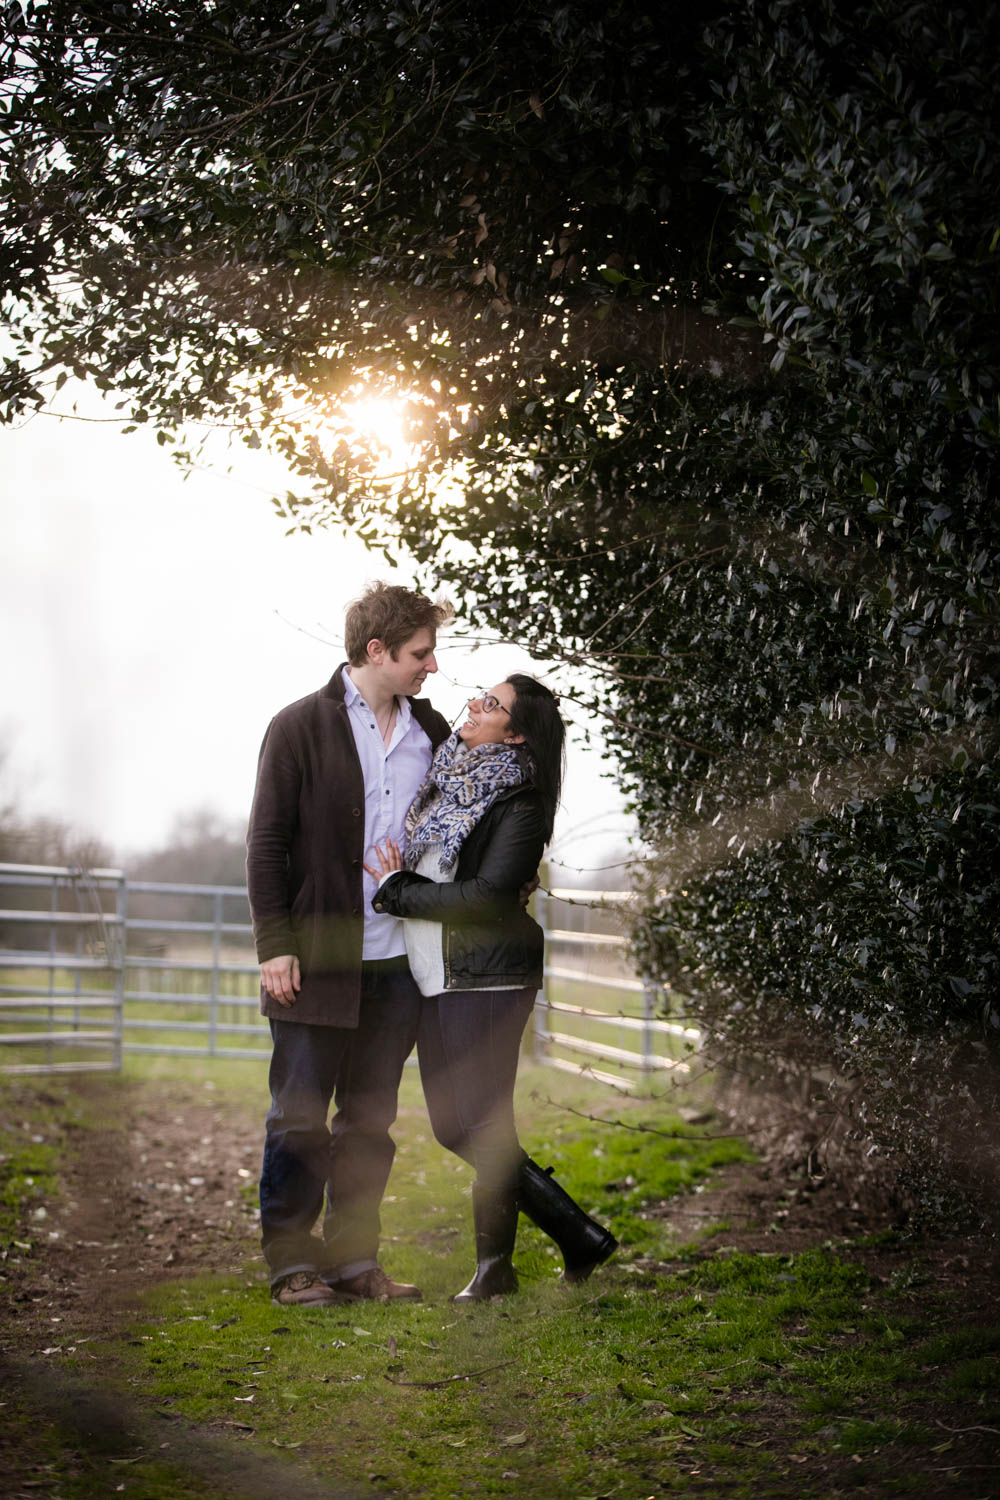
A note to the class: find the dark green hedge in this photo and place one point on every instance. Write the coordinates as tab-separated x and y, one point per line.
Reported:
850	643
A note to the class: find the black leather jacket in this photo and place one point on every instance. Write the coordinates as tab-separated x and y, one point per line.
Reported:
489	941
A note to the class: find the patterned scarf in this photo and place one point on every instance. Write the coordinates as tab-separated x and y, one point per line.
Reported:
455	794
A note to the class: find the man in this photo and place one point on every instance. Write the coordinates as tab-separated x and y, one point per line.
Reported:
337	772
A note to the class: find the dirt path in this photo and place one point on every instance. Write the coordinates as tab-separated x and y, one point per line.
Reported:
163	1189
159	1191
164	1186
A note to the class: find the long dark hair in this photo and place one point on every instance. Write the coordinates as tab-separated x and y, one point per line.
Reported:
536	715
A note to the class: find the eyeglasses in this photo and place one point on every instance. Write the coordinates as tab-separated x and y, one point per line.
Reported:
490	701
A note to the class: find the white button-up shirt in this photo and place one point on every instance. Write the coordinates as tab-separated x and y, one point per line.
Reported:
392	776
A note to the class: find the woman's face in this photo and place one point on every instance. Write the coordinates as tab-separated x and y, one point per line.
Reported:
489	718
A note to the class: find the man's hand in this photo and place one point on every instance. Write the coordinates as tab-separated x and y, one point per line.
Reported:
282	978
528	889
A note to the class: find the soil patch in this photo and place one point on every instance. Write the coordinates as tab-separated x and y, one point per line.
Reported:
160	1190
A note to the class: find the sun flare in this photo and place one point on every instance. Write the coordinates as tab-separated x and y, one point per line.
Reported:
379	420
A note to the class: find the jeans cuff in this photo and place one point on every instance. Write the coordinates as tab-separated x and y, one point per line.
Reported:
347	1272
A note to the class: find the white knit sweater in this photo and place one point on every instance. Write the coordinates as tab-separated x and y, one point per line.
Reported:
425	940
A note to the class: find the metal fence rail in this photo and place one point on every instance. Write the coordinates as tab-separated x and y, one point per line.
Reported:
61	969
664	1045
211	1012
92	965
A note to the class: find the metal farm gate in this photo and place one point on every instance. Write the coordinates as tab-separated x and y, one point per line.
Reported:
93	966
62	944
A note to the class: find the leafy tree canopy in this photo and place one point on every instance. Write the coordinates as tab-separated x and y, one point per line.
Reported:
701	319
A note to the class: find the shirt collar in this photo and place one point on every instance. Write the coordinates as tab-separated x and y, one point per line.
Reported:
352	698
351	694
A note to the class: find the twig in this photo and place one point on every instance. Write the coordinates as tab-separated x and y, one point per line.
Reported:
713	1213
640	1129
573	1307
433	1385
994	1432
708	552
722	1370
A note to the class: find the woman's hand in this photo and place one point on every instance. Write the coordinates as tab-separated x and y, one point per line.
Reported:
389	859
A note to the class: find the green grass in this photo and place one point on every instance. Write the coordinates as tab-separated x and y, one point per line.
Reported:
666	1373
29	1165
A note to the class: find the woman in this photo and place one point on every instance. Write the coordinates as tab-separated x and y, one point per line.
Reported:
475	835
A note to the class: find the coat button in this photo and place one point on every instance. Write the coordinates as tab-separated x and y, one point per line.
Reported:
355	812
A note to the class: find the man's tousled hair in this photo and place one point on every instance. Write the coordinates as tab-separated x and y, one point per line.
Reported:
391	614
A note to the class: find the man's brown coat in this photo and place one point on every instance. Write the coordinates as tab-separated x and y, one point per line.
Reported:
305	846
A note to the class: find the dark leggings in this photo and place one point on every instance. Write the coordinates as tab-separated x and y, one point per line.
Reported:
467	1047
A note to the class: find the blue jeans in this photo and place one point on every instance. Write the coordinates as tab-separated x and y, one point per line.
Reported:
468	1048
350	1159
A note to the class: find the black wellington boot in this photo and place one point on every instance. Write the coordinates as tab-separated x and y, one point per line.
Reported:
495	1217
584	1243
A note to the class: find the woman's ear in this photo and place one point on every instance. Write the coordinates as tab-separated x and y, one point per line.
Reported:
513	739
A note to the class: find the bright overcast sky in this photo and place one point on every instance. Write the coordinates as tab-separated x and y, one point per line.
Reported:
153	623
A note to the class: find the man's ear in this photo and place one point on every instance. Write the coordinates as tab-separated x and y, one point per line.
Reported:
375	651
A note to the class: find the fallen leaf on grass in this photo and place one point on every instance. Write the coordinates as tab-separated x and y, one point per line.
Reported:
456	1442
361	1333
515	1440
278	1443
392	1346
244	1398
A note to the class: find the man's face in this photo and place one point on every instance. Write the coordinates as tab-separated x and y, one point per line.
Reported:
413	661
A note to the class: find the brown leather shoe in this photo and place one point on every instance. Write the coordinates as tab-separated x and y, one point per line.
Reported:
303	1289
376	1286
